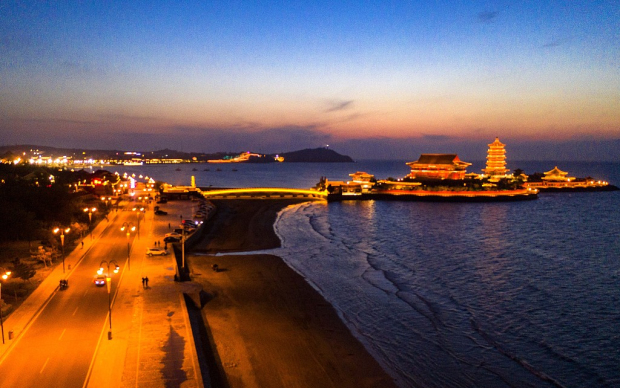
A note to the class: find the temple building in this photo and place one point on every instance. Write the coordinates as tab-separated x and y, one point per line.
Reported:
438	166
366	180
558	179
496	160
557	175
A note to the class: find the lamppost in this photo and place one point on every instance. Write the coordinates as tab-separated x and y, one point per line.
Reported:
108	282
130	228
90	212
138	211
4	277
62	243
106	200
183	250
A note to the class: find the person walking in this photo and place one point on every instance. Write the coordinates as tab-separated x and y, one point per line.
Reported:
146	279
82	244
143	282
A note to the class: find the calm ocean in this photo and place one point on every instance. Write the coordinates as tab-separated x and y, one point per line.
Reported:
522	294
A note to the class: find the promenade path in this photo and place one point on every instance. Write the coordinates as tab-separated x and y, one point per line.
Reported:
151	343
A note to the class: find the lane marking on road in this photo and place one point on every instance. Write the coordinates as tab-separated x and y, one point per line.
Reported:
61	334
44	365
76	309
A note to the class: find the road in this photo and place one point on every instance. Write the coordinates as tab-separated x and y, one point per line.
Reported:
58	348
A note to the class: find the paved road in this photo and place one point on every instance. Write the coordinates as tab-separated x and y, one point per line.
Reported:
57	350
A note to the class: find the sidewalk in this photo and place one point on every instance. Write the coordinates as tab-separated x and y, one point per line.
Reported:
152	343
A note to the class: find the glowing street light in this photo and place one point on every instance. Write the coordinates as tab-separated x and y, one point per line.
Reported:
90	211
129	227
138	211
62	243
5	276
108	281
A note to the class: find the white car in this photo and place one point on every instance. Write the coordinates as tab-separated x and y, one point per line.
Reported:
156	252
173	234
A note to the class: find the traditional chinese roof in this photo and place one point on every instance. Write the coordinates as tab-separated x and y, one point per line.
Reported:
435	159
556	172
497	143
362	176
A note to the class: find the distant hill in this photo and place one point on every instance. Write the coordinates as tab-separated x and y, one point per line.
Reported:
316	155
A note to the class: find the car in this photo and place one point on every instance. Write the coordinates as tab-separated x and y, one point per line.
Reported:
99	280
173	234
161	212
171	239
192	222
162	200
156	251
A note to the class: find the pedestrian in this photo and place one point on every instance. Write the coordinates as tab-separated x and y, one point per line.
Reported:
146	279
82	244
158	243
168	225
165	245
155	243
143	282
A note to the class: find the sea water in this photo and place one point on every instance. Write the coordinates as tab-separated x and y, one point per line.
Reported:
518	294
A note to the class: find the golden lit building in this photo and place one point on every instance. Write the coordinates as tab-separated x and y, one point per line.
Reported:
366	180
496	160
438	166
557	175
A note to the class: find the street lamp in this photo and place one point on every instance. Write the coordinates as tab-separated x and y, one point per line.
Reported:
108	281
4	276
138	211
62	243
90	212
106	200
130	228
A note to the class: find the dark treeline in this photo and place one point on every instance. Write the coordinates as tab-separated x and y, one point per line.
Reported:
35	199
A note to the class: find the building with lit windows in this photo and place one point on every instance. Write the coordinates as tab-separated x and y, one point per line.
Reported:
438	166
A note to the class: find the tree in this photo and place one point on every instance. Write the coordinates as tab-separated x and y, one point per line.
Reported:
23	270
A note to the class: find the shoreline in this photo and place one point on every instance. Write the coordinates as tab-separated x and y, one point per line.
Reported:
269	327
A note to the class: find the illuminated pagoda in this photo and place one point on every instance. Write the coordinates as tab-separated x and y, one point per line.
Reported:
438	166
496	160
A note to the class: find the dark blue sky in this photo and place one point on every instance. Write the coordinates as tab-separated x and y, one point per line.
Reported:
380	78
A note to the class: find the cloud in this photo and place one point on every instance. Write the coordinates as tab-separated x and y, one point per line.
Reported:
436	137
555	43
244	138
124	117
334	106
487	16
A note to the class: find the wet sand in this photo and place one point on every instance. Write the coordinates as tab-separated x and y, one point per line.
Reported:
269	327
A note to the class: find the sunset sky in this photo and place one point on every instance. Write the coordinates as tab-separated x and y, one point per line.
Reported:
373	79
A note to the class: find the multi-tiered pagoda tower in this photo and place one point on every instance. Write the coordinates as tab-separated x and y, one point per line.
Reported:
496	160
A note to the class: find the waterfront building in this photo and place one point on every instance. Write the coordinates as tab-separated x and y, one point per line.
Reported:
365	180
438	166
557	175
558	179
496	160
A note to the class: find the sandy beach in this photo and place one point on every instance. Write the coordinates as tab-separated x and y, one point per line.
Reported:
269	327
